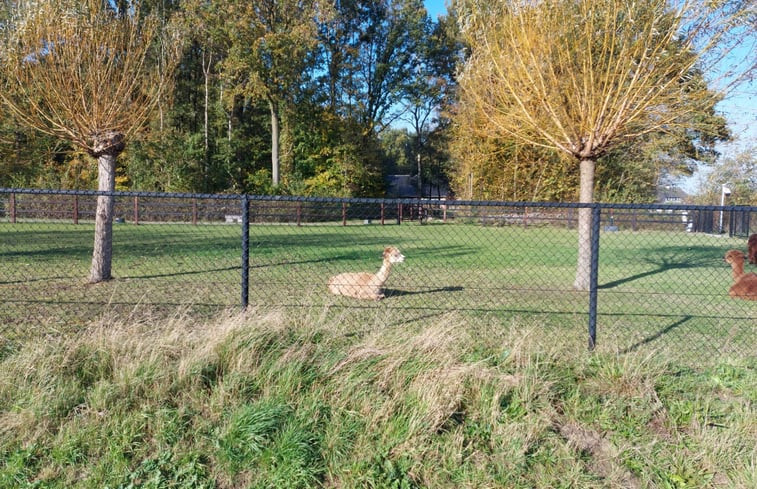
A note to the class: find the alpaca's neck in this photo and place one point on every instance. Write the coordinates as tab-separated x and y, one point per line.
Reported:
383	272
738	270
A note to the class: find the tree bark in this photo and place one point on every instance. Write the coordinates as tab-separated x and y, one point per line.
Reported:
107	147
274	143
103	250
583	269
206	155
206	75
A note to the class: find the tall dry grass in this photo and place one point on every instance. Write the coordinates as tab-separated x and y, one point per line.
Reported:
280	400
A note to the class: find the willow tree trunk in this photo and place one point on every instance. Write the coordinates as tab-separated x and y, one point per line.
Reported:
107	149
583	269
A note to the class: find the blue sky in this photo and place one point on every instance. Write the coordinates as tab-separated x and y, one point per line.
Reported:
740	108
435	7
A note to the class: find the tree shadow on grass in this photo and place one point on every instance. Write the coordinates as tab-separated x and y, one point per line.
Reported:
178	274
657	335
446	252
42	279
671	258
234	268
413	319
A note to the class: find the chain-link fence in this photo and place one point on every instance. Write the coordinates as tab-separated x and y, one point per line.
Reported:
658	279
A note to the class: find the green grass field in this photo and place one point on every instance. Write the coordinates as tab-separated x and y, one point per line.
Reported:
473	372
660	290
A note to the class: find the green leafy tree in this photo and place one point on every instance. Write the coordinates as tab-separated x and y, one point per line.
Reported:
369	51
738	173
270	46
397	146
334	82
430	88
334	157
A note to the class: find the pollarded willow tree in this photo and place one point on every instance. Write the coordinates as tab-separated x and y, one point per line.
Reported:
585	76
89	73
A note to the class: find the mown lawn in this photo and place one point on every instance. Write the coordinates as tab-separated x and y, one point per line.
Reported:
658	289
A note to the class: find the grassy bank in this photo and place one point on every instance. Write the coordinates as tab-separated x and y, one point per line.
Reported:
277	400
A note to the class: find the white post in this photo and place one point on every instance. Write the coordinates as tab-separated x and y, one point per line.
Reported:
725	191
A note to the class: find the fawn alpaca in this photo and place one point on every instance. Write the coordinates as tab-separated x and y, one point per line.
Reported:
744	284
752	248
363	285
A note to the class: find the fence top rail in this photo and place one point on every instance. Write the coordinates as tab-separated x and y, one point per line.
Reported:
92	193
394	201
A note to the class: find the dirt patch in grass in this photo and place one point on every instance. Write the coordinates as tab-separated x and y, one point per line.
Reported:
603	454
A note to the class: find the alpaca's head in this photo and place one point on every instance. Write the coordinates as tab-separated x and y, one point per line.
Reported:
393	255
735	257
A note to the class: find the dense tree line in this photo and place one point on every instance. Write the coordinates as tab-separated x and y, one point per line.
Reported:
327	97
274	96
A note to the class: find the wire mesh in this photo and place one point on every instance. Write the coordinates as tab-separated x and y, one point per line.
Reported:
168	253
662	283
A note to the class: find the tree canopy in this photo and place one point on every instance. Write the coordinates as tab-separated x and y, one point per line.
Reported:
307	97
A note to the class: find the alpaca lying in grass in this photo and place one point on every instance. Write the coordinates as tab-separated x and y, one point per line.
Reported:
752	249
363	285
744	284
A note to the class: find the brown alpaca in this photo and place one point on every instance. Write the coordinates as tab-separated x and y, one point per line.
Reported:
363	285
744	284
752	248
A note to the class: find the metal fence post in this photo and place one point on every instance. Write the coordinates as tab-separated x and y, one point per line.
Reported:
245	251
76	208
594	275
136	210
12	205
